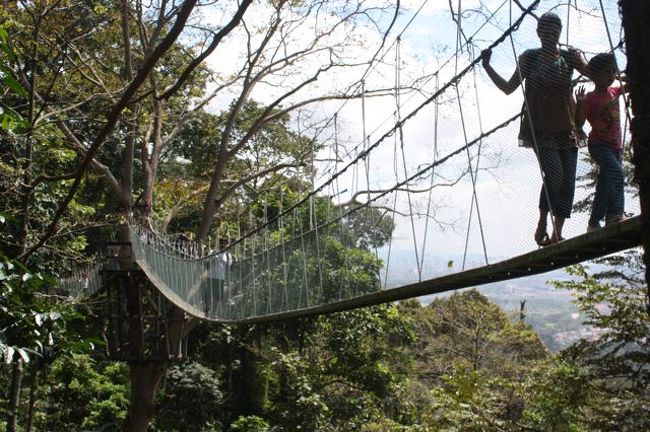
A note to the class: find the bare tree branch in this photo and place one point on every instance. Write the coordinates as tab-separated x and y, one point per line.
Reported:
215	42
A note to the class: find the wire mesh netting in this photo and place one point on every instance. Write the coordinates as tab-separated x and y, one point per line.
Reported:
431	178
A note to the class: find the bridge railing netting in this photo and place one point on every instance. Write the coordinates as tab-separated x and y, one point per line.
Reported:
250	281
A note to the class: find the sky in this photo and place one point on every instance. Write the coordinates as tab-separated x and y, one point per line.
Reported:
508	179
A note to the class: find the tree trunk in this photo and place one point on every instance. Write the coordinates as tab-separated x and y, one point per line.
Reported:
145	378
211	202
33	381
145	373
14	396
636	22
147	364
150	161
252	384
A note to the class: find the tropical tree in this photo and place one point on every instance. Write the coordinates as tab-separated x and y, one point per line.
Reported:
612	365
471	362
109	94
69	91
192	399
84	393
37	326
333	372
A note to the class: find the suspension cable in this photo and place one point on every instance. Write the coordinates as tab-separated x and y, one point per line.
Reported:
433	172
474	199
451	57
618	72
474	175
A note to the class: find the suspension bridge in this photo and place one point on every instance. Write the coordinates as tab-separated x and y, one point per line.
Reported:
436	196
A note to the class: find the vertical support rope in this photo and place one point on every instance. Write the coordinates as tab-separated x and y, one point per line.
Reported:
611	46
568	19
396	172
305	269
433	173
398	83
269	300
365	139
285	269
340	208
242	299
475	173
473	176
335	187
313	217
253	282
474	199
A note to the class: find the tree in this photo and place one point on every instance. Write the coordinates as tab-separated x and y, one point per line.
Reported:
466	330
85	393
290	64
75	101
192	399
34	322
272	156
122	83
613	363
327	373
635	15
474	360
307	373
35	328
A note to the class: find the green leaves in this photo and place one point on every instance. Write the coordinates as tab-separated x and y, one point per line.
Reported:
192	398
250	424
10	120
33	324
41	318
7	79
85	394
10	353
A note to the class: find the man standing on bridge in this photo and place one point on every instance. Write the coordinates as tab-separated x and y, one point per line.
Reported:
547	124
215	283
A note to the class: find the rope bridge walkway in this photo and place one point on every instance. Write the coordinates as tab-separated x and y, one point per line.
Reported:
435	196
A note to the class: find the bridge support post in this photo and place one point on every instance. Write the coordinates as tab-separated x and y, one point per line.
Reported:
636	24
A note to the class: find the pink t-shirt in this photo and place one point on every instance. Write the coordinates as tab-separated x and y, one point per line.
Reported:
602	112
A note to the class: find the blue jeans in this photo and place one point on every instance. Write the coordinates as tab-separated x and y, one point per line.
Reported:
558	163
609	198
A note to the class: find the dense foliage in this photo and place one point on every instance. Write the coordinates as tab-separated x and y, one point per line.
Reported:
459	363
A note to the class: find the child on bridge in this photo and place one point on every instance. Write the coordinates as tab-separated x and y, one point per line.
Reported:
601	108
